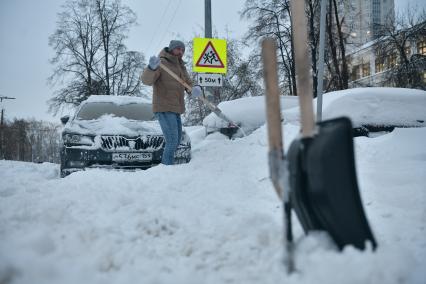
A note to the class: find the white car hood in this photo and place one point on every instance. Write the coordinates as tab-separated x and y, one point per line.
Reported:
110	125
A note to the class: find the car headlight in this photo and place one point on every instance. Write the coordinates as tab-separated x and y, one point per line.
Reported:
78	139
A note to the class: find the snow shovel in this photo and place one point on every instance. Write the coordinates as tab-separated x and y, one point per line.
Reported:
324	190
209	104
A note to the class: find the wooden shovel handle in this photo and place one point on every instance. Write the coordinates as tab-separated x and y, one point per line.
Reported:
209	104
302	64
277	162
176	77
273	109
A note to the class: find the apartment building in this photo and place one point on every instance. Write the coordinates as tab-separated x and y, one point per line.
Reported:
368	67
365	17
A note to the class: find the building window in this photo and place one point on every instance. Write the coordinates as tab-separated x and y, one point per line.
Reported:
392	60
421	47
380	65
407	50
355	73
365	69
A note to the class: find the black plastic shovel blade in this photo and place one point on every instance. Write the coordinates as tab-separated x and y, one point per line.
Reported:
324	188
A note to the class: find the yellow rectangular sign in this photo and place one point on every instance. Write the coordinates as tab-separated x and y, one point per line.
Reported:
209	55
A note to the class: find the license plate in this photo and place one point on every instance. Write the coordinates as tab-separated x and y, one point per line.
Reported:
131	157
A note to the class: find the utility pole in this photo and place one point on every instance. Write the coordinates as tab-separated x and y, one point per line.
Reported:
1	124
209	34
208	18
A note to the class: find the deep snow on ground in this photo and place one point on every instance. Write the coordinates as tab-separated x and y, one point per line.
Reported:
214	220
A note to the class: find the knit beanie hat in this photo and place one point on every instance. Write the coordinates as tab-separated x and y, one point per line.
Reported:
176	43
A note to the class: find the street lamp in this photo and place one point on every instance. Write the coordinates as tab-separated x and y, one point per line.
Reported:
5	98
2	109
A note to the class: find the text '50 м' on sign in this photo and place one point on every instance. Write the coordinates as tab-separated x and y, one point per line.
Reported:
209	55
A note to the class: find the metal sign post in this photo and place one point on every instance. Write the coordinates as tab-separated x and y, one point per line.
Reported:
207	18
321	61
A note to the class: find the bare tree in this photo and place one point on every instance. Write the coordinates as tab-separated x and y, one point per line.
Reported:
90	57
126	76
16	145
241	79
272	19
336	59
44	139
31	141
35	137
313	14
114	21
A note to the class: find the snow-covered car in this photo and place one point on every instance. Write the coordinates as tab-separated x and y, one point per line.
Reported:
373	111
248	113
115	132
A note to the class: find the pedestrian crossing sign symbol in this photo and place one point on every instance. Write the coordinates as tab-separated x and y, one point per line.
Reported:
209	55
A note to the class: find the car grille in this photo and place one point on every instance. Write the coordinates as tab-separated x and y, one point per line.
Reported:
121	143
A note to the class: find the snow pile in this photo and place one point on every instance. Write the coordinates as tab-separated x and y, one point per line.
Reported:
373	106
378	106
214	220
118	100
364	106
249	112
112	125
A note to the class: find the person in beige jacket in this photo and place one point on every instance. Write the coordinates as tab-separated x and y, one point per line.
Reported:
168	94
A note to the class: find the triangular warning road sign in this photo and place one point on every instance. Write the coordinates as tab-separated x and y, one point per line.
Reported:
209	58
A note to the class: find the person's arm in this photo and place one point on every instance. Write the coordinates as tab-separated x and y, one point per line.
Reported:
152	72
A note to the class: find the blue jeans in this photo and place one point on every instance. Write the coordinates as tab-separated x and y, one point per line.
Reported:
171	125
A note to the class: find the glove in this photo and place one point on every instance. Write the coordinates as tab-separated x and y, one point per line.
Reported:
196	92
154	62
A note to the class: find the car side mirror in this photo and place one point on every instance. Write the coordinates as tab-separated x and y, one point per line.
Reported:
65	119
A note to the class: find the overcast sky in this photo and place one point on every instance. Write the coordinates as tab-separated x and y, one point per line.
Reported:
25	26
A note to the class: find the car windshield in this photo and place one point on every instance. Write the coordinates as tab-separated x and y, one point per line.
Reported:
133	111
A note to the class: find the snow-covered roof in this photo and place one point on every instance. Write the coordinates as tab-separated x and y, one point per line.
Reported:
363	47
119	100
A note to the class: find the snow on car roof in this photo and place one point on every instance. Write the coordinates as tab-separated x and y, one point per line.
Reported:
377	106
250	112
118	100
380	106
